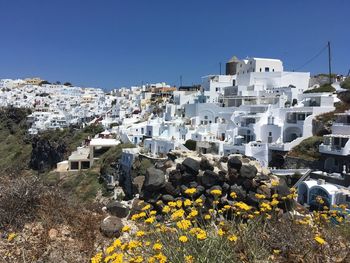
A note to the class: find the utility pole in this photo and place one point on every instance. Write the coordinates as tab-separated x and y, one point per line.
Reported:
220	67
329	62
180	80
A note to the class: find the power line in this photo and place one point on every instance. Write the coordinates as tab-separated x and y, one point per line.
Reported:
313	58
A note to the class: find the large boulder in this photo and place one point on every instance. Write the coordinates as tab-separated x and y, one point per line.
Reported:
175	177
234	163
154	180
111	226
210	178
118	209
191	165
138	183
240	192
171	190
248	171
204	164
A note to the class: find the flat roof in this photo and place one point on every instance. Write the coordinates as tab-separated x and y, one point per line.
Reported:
104	142
81	153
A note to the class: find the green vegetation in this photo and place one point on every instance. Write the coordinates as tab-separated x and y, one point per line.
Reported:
15	149
323	88
111	156
191	145
346	83
307	149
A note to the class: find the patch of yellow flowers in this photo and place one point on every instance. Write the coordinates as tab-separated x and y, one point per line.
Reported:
187	222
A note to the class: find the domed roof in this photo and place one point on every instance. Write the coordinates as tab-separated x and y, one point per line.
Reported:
233	59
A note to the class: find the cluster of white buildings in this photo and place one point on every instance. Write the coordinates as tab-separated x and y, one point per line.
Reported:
255	109
54	105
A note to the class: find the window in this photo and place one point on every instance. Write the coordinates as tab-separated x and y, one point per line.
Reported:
273	70
260	69
267	69
270	133
205	117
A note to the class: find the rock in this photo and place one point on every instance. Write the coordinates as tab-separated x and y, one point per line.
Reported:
199	190
191	165
193	184
168	164
175	177
171	190
223	159
252	199
137	206
263	189
138	183
181	168
119	193
188	177
154	180
168	198
111	226
118	209
53	233
204	164
225	188
248	171
234	163
240	192
210	178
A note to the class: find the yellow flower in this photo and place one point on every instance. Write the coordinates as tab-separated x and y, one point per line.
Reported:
110	249
276	251
140	233
153	212
201	235
184	224
221	232
183	239
179	203
189	259
190	191
265	206
233	195
177	214
319	200
11	237
142	214
207	217
150	220
320	240
97	258
126	229
146	207
157	246
198	201
274	195
216	192
187	202
137	259
193	213
161	258
166	209
243	206
260	196
274	183
172	204
232	238
117	243
274	202
134	244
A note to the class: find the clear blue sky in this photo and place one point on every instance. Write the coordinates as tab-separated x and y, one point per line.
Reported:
113	43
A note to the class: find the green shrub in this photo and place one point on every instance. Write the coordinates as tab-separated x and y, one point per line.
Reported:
191	145
323	88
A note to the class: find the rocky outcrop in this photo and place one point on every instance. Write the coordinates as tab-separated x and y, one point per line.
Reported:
46	154
236	173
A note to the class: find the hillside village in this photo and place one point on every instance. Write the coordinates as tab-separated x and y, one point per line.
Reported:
256	109
244	132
